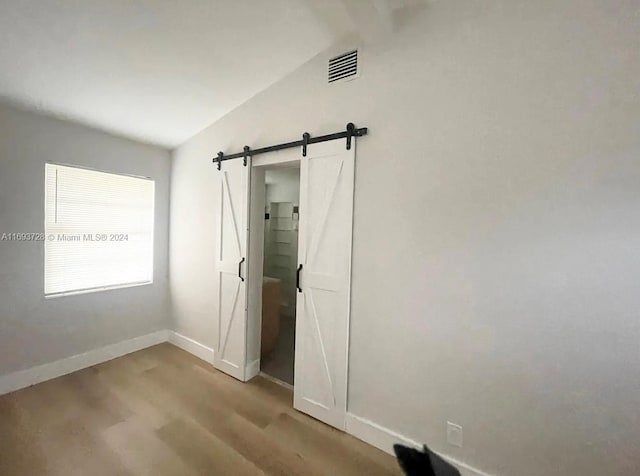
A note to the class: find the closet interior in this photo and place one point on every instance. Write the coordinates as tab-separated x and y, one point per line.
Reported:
282	196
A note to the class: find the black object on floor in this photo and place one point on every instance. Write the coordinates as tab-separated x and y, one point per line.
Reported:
423	463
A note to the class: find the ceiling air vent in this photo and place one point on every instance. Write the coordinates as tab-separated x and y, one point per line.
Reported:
344	67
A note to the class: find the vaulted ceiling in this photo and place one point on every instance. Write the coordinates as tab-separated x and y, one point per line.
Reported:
161	70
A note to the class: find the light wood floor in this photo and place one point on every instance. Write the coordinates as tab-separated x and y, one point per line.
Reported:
161	411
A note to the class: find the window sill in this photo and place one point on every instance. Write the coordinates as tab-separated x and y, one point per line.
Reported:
95	290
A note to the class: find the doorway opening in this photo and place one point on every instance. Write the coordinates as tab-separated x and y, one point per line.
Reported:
296	298
282	200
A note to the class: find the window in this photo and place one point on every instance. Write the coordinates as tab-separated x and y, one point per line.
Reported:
98	230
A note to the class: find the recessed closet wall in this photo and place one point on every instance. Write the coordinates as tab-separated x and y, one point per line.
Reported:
282	199
281	229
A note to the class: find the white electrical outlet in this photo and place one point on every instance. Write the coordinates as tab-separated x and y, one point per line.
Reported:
454	434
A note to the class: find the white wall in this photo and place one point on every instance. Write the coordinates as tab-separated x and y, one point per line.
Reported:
283	184
35	330
497	214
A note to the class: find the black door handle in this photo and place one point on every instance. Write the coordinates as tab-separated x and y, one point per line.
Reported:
240	269
298	279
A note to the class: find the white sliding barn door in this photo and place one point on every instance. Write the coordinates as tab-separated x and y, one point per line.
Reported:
323	306
231	352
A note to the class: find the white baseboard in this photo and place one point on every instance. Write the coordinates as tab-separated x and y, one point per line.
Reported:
25	378
384	439
193	347
276	381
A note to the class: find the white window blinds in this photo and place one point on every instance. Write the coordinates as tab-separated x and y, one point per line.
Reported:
98	230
